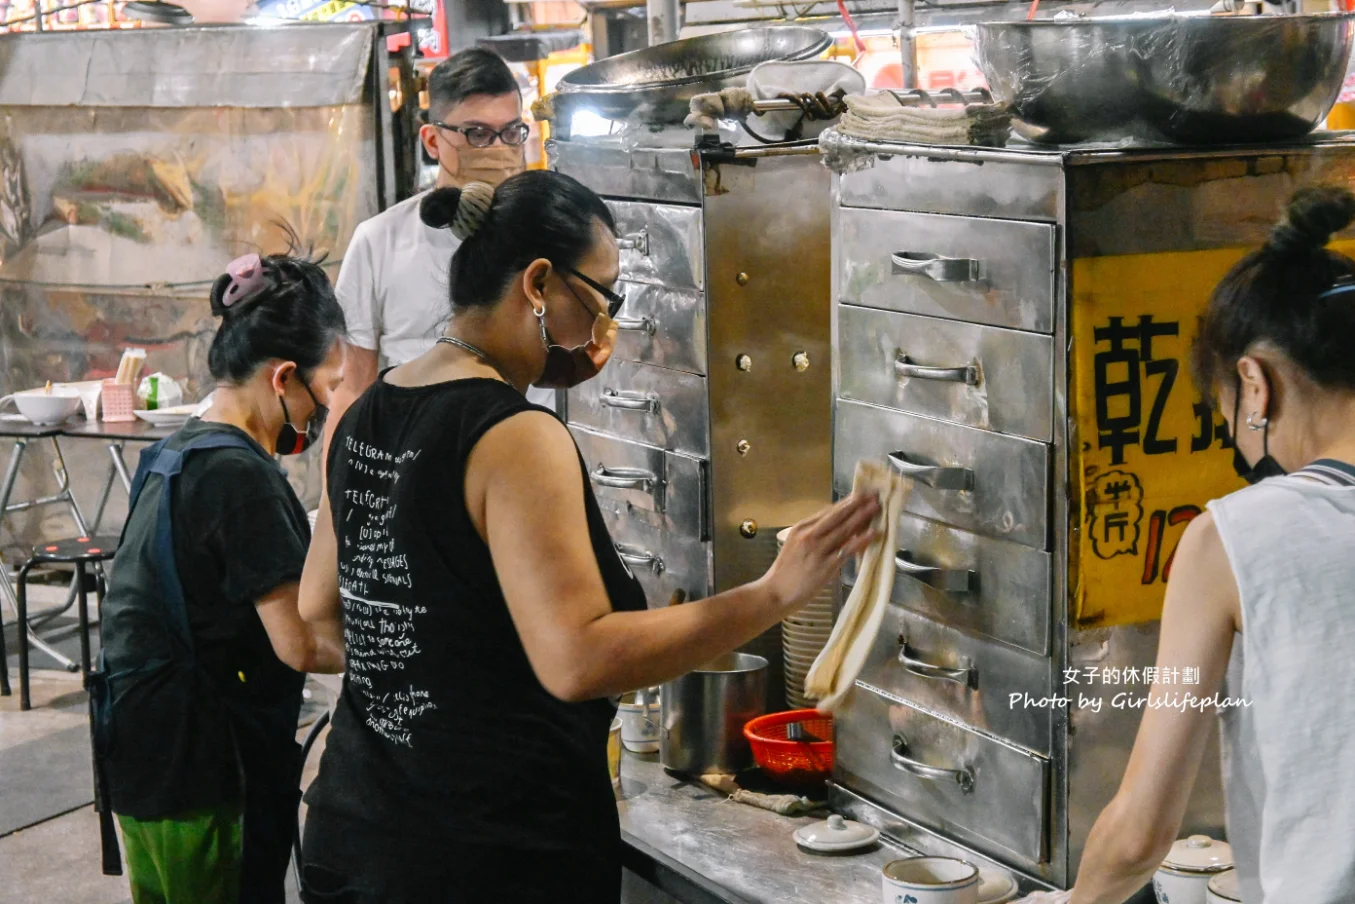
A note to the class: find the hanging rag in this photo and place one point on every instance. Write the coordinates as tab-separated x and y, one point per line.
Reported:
816	87
880	117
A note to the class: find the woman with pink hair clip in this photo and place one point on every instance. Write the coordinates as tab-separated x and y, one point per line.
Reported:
196	700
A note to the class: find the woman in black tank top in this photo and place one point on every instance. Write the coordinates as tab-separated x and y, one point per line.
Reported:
485	613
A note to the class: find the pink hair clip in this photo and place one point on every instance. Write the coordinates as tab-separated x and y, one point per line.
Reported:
247	279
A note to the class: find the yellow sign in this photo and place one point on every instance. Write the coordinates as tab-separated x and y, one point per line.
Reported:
1147	451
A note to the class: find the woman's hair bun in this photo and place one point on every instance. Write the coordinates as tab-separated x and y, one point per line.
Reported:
438	207
462	210
1313	217
218	295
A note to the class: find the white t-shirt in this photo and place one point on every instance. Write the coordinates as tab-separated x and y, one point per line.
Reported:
393	288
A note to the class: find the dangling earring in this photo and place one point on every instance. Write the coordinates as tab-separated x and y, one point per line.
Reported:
541	322
1253	424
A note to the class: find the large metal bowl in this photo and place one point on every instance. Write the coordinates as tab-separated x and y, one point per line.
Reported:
1174	78
654	85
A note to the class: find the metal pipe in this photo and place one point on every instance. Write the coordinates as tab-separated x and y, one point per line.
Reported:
797	151
839	144
907	46
665	19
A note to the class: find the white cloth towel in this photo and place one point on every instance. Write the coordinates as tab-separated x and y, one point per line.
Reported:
770	80
834	672
880	117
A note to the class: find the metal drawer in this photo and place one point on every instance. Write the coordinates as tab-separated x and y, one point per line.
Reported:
667	490
663	326
664	561
652	405
980	376
991	587
660	244
919	180
970	787
998	272
962	677
994	485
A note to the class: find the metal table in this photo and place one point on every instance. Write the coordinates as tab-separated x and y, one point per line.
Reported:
117	435
700	848
23	433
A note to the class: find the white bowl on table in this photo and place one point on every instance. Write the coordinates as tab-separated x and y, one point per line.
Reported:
45	408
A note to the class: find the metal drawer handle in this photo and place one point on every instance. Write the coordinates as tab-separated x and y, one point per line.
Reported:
934	476
938	268
636	325
950	580
968	676
898	756
624	478
635	241
630	401
904	367
640	558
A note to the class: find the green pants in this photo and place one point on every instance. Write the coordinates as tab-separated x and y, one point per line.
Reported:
192	858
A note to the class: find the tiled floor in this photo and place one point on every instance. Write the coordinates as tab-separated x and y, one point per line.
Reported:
58	860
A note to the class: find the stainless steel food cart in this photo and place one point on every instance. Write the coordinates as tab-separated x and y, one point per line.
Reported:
709	429
1010	330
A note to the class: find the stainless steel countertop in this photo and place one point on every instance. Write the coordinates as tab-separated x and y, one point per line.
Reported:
733	852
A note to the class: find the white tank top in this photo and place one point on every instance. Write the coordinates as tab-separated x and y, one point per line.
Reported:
1289	757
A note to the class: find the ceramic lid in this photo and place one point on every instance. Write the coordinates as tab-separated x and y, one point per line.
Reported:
1226	886
835	834
1199	854
996	886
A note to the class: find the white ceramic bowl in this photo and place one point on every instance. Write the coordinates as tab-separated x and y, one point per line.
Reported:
806	630
930	880
44	408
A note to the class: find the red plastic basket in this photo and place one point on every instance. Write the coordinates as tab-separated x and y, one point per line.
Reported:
794	762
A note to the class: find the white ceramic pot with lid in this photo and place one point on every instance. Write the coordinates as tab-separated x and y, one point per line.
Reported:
836	835
1184	876
1224	888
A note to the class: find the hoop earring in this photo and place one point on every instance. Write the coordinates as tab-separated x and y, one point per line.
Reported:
1253	424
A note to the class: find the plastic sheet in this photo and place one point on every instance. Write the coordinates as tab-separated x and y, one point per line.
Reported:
1174	78
310	65
115	219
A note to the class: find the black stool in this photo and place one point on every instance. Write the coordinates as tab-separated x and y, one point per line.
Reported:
78	551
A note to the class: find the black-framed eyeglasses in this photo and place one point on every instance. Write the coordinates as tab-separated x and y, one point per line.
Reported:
614	301
483	136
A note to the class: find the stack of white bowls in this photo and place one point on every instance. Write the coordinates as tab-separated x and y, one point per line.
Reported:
803	637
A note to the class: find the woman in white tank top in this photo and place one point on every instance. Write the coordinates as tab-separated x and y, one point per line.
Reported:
1266	577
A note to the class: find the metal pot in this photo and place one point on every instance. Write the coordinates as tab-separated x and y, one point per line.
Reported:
1175	78
654	85
703	714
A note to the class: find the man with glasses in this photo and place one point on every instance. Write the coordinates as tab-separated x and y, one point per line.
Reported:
393	281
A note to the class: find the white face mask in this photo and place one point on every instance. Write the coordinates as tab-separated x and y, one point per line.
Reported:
493	164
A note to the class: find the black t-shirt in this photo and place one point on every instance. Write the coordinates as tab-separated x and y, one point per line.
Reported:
443	734
239	532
